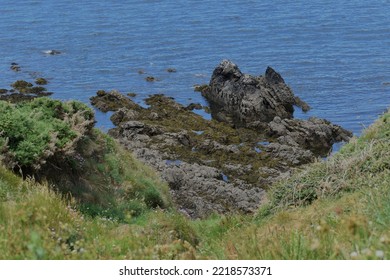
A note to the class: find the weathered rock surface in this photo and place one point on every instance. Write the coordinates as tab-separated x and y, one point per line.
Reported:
249	101
266	102
317	135
200	190
199	159
226	165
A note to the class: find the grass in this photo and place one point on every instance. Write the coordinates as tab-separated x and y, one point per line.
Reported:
37	223
333	209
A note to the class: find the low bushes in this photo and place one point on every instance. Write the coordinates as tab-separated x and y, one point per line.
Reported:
31	132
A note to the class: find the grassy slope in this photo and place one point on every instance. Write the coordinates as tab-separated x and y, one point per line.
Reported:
349	214
38	223
331	210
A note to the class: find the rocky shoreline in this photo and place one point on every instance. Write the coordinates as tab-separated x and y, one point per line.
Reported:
227	163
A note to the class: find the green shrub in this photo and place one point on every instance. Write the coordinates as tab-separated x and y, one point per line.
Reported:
31	132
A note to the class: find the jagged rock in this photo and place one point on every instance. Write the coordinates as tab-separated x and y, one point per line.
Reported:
273	77
249	101
316	135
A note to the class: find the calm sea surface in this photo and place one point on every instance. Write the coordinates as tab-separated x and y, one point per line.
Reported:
335	54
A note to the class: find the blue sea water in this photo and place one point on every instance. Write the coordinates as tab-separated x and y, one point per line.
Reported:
335	54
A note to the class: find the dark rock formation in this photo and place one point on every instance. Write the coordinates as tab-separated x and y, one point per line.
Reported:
266	102
226	165
249	101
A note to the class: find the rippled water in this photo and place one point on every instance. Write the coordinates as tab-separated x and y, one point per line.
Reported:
334	54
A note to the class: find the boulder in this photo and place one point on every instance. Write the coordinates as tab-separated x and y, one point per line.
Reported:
249	101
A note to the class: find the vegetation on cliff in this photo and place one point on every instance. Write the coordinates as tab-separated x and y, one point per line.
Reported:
93	200
332	209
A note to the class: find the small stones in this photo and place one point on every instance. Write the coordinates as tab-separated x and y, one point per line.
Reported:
131	94
3	91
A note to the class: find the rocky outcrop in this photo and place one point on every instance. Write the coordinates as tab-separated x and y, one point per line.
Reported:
222	166
316	135
201	190
249	101
266	102
199	159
